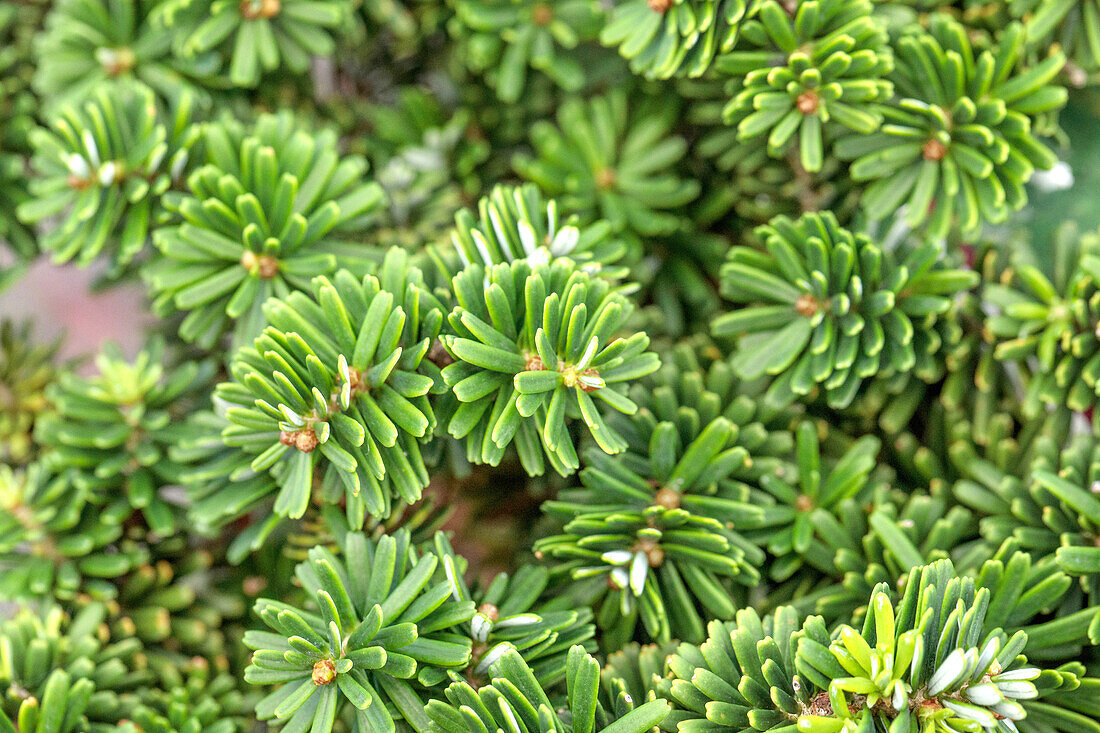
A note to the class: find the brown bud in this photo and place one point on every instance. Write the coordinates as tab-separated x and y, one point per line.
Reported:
542	14
118	61
934	149
668	498
263	266
306	441
590	372
324	672
267	267
808	102
253	9
606	177
806	305
355	379
253	585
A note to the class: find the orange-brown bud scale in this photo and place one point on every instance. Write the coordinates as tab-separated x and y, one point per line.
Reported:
668	498
264	266
590	372
304	440
542	15
808	102
606	178
324	672
806	305
255	9
934	150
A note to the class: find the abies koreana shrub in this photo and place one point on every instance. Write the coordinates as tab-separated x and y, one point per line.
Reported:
263	216
550	366
833	308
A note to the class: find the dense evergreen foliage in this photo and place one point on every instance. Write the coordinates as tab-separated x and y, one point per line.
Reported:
554	366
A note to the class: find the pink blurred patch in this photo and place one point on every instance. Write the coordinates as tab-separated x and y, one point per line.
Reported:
59	300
